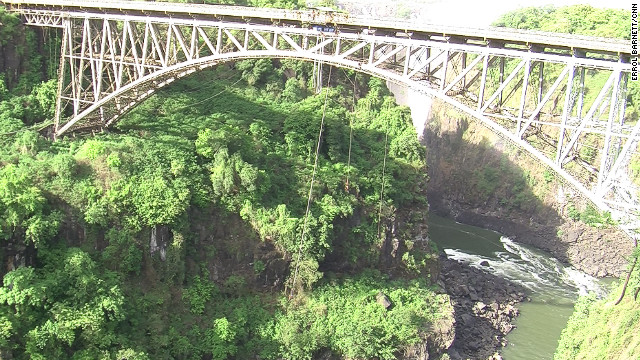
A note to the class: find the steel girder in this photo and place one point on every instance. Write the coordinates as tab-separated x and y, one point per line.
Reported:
566	110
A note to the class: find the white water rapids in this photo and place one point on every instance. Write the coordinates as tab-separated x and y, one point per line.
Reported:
551	286
532	269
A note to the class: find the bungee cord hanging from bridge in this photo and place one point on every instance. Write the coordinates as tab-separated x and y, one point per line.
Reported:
354	82
551	95
310	195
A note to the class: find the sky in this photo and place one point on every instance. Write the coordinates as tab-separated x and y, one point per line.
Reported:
481	13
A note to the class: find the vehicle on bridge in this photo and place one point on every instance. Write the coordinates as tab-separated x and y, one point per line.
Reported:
323	28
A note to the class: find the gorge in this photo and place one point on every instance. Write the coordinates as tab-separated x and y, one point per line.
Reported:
240	214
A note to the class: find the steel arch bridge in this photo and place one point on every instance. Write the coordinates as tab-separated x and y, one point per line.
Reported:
559	97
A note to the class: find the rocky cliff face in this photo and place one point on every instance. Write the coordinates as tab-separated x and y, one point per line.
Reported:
479	179
21	50
438	338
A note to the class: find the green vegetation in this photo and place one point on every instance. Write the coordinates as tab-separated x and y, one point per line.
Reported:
580	20
345	317
602	329
590	216
176	233
575	19
65	306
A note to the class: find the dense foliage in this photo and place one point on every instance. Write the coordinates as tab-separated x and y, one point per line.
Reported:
575	19
175	234
345	317
602	329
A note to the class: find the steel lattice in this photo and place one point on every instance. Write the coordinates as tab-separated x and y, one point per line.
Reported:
552	100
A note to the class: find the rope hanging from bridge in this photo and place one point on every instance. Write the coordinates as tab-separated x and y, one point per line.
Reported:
384	167
313	176
54	43
99	85
346	185
47	40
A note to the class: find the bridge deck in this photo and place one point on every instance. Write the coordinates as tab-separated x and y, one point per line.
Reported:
580	46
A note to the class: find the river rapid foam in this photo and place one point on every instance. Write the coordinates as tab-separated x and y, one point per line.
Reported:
532	269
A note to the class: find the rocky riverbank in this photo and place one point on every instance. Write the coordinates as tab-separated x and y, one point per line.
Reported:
597	252
478	178
485	307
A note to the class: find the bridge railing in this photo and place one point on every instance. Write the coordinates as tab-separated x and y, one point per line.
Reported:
578	45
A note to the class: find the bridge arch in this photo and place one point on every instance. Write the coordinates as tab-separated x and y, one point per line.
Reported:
116	54
166	76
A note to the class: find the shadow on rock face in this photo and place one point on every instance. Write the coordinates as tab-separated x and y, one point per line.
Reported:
478	178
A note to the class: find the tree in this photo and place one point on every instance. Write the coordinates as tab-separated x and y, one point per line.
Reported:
220	339
575	19
22	208
67	306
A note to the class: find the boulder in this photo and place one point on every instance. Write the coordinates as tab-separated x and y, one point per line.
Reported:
383	300
479	306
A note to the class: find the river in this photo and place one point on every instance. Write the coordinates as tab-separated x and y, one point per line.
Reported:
552	287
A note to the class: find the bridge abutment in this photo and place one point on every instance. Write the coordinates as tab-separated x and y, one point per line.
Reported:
419	103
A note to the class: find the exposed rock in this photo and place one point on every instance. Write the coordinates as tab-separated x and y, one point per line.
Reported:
275	266
597	252
383	300
328	355
484	310
574	235
460	152
160	236
395	243
440	336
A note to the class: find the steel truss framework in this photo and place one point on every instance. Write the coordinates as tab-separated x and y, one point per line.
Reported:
565	108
